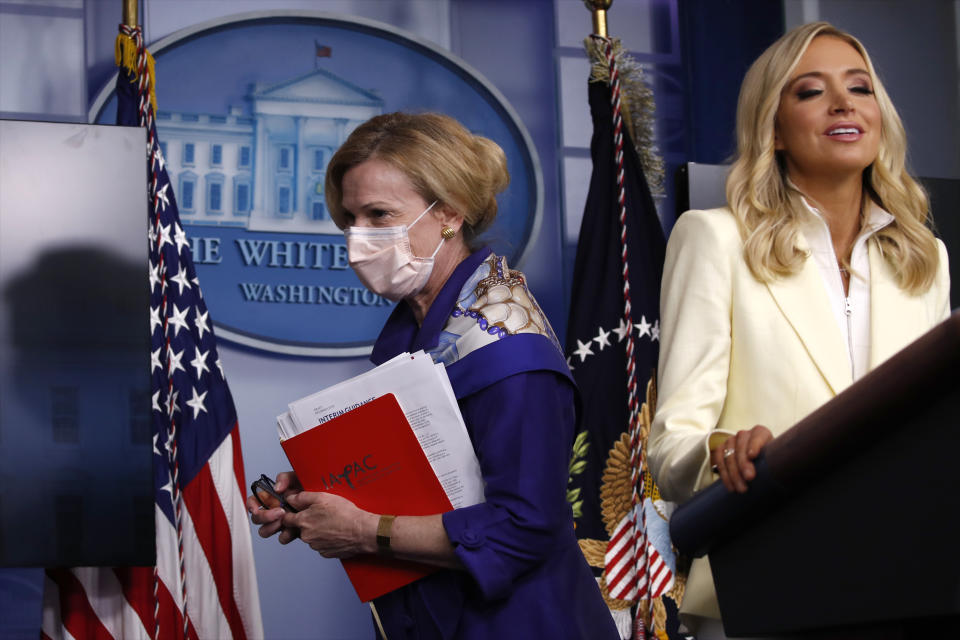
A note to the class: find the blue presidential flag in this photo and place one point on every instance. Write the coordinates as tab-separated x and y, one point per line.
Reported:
612	343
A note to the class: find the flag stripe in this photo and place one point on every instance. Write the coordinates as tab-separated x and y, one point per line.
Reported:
204	606
225	477
620	541
137	583
657	585
101	595
621	571
213	533
199	581
616	558
625	590
238	464
170	617
79	618
105	596
168	572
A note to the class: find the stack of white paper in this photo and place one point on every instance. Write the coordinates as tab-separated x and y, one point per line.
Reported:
423	391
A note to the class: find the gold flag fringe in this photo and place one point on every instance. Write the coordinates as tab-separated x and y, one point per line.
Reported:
125	55
636	104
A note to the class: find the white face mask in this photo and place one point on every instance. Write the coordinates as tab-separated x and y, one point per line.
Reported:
382	259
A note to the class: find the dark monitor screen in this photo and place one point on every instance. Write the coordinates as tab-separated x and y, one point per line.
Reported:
75	433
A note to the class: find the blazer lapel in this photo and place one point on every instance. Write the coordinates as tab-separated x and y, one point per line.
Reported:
803	300
893	313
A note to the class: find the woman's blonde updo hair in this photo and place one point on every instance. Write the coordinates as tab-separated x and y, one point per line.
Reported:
443	161
768	208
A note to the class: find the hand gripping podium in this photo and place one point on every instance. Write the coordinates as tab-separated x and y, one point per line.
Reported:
852	527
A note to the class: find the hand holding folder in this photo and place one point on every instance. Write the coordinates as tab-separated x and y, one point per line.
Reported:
403	453
371	457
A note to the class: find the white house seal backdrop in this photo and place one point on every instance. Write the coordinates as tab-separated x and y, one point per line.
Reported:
251	108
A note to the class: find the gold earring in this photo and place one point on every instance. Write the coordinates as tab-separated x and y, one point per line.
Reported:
448	232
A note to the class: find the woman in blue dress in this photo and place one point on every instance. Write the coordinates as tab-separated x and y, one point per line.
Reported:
412	192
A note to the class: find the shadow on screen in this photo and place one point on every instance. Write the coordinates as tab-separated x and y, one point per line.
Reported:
75	410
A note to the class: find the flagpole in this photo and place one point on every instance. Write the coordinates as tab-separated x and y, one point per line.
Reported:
130	12
599	10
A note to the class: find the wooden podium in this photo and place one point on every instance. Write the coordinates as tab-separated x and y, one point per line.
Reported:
852	527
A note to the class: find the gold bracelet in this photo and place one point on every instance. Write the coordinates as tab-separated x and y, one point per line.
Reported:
383	533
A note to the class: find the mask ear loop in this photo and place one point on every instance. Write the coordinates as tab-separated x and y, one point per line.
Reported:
439	246
442	239
425	211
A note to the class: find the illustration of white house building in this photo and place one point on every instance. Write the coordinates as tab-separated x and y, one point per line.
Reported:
264	171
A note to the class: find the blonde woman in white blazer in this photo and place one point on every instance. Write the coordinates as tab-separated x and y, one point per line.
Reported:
821	267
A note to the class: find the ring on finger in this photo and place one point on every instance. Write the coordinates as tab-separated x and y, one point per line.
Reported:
727	453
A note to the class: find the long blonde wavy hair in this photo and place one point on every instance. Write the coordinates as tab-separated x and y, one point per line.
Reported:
768	208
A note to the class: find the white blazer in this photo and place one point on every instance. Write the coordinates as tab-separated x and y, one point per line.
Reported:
736	352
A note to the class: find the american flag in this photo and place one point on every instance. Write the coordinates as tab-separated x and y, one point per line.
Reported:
204	584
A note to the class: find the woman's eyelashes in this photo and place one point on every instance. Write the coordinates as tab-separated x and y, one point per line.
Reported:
370	215
373	215
807	93
804	94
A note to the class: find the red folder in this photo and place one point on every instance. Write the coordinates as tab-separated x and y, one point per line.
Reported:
371	456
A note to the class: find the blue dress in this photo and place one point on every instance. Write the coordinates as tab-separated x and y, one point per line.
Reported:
525	576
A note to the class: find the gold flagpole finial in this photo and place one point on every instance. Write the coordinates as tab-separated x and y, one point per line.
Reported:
599	10
130	12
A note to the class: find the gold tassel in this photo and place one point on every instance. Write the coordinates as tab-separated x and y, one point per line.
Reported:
637	106
125	55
